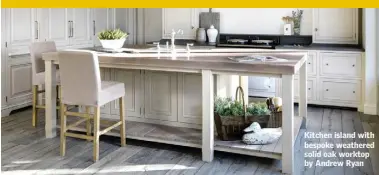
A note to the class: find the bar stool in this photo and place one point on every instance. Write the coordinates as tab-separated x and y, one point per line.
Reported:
81	85
38	73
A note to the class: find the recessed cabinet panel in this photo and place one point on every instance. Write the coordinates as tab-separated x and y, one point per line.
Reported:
20	83
81	34
340	64
22	28
101	22
335	25
340	90
311	89
311	64
190	100
160	95
56	24
133	96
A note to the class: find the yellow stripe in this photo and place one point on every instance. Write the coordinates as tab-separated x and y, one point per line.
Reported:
188	4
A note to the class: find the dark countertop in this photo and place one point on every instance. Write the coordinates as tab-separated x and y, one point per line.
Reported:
322	47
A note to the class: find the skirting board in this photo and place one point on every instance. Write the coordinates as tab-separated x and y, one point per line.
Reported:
370	109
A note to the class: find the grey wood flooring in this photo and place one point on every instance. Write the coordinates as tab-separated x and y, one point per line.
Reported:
24	150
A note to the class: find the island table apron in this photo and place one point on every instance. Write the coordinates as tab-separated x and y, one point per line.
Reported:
207	64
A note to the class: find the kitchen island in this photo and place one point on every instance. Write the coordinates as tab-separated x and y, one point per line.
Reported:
206	65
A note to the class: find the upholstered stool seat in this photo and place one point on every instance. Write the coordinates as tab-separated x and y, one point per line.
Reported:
81	85
40	78
38	73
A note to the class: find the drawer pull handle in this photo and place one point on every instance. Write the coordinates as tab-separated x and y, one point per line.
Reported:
327	64
327	89
353	65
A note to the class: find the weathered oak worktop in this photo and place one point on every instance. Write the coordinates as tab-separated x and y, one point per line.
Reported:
208	64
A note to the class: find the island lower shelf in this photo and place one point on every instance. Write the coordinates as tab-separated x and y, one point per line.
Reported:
192	138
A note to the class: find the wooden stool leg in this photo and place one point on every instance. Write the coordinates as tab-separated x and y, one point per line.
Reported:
35	103
122	118
63	129
96	136
88	124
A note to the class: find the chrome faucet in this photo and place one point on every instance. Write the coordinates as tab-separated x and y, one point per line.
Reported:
173	34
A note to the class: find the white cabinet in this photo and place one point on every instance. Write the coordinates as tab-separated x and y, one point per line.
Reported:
340	64
335	25
133	92
103	18
180	18
19	80
189	96
311	89
161	96
261	86
56	26
344	91
22	28
81	27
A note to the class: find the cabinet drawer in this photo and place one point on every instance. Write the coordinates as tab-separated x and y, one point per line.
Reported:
340	64
311	64
340	90
311	89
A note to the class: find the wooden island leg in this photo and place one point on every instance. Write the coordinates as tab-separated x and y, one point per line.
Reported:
303	94
50	98
208	118
288	124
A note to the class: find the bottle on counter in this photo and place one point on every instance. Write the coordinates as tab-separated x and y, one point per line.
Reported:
212	34
200	35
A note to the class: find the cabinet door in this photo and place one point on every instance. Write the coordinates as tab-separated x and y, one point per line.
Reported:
56	26
160	95
100	22
190	101
19	82
261	86
22	29
133	93
335	25
82	27
180	18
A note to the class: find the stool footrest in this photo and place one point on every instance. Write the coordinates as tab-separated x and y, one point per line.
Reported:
110	128
79	136
76	123
77	114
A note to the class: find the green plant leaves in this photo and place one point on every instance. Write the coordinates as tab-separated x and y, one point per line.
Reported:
112	34
228	107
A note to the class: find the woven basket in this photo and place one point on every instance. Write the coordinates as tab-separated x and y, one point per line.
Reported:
231	127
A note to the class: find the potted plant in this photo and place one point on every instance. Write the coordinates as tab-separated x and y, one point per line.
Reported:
232	116
112	39
297	16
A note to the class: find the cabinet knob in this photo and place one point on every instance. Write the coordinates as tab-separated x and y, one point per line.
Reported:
354	92
327	64
309	62
316	29
353	65
192	27
327	89
309	88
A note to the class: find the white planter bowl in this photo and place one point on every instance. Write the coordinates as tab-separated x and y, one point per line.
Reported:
112	44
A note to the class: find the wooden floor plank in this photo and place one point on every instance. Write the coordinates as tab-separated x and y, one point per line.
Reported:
314	125
27	146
